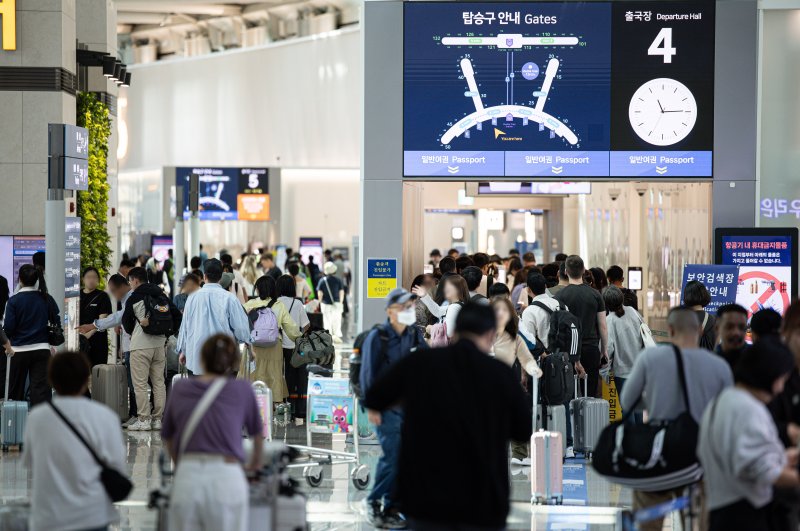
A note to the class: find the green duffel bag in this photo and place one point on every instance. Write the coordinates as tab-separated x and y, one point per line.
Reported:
315	346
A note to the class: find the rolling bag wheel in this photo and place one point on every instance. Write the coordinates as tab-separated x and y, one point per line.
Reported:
360	477
313	475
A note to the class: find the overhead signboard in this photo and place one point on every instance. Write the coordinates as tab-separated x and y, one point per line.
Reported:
767	260
68	150
558	90
721	281
228	194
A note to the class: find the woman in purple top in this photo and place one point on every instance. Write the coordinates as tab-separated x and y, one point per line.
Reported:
210	488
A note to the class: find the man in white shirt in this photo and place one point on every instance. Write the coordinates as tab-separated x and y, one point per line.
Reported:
535	325
535	319
66	491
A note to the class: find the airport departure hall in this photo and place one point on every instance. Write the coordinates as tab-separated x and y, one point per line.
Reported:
385	264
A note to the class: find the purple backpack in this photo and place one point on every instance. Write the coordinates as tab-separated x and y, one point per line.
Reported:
264	329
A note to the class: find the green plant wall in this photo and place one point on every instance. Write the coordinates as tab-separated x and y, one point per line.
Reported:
93	203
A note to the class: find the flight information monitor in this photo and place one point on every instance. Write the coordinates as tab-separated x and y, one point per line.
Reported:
228	194
558	90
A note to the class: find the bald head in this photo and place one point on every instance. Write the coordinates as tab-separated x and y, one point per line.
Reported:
684	327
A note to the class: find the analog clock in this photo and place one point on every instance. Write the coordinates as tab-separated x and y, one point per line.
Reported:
663	112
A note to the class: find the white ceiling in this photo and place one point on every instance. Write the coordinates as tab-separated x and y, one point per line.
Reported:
149	12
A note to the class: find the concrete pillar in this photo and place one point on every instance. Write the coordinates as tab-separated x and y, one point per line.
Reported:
381	151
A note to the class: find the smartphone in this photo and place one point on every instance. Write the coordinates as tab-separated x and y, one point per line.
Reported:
501	274
635	278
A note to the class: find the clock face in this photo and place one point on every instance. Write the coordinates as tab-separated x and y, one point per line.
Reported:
663	112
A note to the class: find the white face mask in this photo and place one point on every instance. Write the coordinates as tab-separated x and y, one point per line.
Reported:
407	317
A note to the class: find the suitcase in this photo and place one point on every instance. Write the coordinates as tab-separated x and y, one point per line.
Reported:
290	513
588	416
13	416
264	401
547	459
110	386
556	417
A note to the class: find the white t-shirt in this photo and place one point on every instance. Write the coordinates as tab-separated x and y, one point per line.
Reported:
298	313
66	490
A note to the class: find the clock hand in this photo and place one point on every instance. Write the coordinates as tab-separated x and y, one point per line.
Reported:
660	106
672	111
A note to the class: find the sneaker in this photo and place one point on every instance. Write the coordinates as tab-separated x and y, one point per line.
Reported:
373	511
156	425
299	421
129	422
516	461
569	453
393	520
139	425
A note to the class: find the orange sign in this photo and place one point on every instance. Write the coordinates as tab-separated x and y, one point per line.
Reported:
253	207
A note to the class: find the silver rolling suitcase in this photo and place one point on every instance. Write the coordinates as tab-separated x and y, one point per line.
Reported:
588	416
110	386
13	416
555	420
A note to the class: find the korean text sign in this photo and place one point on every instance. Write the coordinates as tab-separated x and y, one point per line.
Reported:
721	281
381	277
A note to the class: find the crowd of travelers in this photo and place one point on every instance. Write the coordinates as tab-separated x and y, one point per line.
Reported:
455	359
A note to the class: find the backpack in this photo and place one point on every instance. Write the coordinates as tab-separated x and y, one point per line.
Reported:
565	332
355	358
159	314
264	329
557	382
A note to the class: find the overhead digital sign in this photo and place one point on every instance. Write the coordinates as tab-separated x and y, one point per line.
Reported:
228	193
558	90
767	260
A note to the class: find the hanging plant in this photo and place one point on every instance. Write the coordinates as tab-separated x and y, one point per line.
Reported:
93	203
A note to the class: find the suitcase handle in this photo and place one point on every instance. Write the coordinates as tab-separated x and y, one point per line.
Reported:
8	374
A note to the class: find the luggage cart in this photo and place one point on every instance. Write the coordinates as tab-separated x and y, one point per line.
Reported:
326	390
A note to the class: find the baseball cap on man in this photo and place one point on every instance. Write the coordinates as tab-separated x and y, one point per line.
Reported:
399	296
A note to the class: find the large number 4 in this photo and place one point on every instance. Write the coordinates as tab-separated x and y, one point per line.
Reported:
662	45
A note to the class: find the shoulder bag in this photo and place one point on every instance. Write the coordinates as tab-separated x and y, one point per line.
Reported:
655	456
644	331
55	332
116	484
199	412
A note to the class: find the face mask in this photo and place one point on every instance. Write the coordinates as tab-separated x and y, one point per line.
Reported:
407	317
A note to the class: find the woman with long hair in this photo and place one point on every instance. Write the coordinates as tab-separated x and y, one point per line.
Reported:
210	490
423	315
510	348
269	360
296	377
600	278
624	338
28	314
456	294
94	304
250	273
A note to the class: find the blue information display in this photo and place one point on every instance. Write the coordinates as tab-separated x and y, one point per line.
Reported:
558	89
721	281
220	191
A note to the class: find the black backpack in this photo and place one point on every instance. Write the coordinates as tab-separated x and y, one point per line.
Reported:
355	357
565	332
557	382
159	314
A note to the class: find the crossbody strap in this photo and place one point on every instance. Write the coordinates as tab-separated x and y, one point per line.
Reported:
681	376
328	289
199	412
79	436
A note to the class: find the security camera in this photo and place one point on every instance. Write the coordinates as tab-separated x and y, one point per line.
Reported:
614	193
641	189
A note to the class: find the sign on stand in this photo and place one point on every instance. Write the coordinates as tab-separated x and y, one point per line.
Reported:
381	277
721	281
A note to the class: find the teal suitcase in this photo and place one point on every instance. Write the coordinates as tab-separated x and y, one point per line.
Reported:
13	417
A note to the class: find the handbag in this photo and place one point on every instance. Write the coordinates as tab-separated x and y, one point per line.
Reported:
439	336
655	456
55	332
646	333
116	484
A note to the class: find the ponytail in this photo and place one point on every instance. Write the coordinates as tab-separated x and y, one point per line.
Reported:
42	283
620	312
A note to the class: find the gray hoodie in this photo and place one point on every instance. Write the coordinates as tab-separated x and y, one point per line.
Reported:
740	450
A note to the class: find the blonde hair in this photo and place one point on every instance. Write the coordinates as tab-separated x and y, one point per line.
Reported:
250	269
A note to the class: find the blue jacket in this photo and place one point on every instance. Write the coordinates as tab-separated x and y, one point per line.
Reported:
373	361
27	315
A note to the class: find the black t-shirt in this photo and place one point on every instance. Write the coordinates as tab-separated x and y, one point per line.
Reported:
93	305
459	394
328	287
584	302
